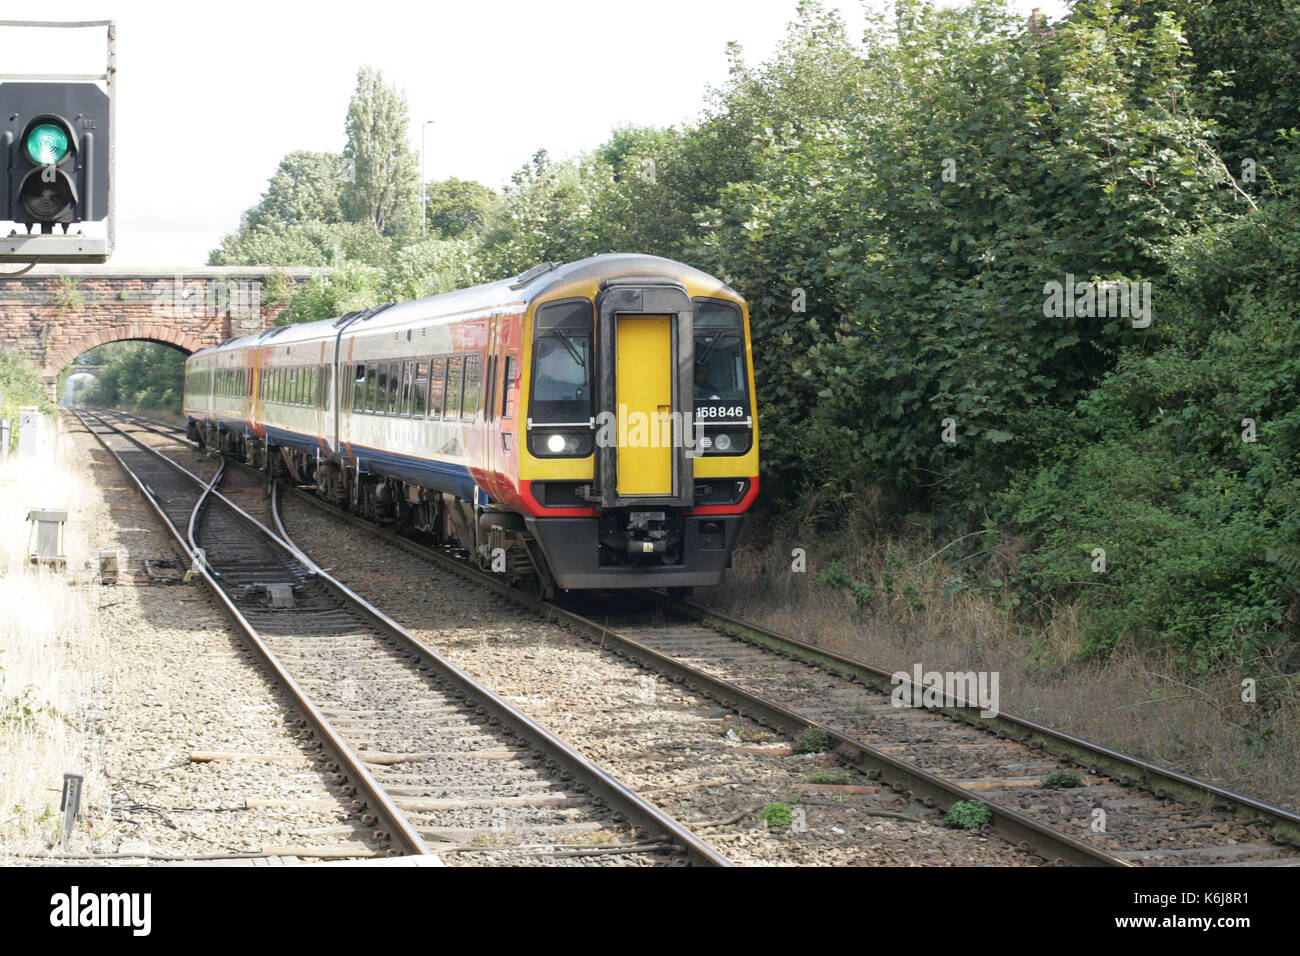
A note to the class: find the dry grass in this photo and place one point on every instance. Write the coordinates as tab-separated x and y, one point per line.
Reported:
921	609
51	649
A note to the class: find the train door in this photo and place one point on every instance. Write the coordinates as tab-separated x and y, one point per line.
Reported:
643	390
321	399
646	378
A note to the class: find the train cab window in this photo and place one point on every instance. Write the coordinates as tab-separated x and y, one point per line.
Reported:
719	352
562	363
420	390
437	386
451	408
473	383
507	386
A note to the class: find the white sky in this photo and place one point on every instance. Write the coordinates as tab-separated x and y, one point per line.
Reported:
209	102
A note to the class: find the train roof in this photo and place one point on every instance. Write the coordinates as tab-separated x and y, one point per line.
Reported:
517	290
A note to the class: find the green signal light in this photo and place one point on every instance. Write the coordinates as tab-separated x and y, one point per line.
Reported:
46	144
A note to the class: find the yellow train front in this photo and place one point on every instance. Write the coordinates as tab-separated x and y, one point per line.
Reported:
639	454
588	425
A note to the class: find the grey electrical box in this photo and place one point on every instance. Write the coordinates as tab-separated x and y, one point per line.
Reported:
45	543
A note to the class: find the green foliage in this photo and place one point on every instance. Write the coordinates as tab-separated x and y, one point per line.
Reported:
383	184
968	815
429	268
776	814
352	287
20	385
1247	55
305	187
457	208
924	292
835	576
138	375
813	740
303	244
1062	779
66	295
277	288
1200	527
19	711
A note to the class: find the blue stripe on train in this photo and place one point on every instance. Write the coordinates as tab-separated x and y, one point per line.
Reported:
440	475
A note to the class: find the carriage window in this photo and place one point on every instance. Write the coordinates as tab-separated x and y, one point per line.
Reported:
508	384
420	391
372	387
473	379
719	352
437	385
408	373
358	388
393	373
451	409
562	363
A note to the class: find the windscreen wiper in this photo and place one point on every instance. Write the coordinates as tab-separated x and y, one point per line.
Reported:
564	337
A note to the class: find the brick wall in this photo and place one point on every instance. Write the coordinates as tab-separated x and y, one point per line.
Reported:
51	315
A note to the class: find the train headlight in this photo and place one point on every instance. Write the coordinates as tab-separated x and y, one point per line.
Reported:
559	444
722	442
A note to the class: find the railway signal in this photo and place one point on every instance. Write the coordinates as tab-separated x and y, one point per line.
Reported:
56	143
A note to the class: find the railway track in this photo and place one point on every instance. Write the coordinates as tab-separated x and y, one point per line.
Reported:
1044	788
444	765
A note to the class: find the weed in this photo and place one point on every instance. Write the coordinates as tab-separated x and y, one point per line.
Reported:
1062	779
814	740
776	814
834	576
968	815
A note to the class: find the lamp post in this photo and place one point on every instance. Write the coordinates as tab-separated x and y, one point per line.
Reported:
424	197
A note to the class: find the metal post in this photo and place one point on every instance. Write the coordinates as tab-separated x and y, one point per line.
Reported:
71	803
424	193
6	430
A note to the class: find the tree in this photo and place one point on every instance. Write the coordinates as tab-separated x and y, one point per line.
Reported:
309	243
305	188
383	184
457	207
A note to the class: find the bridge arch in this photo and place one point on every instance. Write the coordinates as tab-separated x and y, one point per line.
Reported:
134	331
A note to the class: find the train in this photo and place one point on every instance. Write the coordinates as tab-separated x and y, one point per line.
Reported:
580	426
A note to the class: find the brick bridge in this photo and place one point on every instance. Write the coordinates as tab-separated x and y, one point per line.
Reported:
54	313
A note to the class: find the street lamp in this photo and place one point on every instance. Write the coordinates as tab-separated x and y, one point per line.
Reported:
424	197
